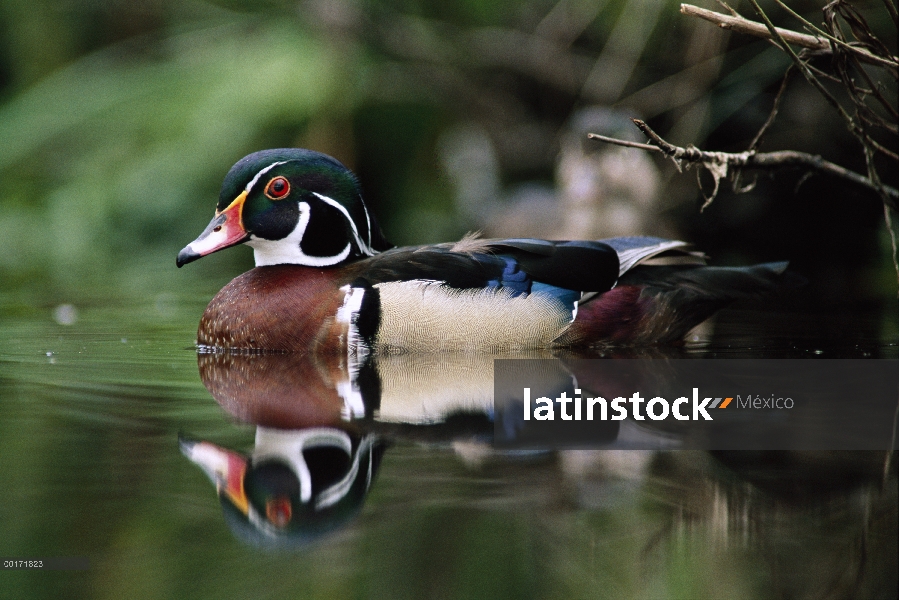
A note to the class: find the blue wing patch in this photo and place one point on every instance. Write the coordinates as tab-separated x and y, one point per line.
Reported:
512	278
568	298
520	283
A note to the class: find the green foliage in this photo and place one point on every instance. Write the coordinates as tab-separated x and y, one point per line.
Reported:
114	156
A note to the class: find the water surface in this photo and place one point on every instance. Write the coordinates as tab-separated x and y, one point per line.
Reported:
93	402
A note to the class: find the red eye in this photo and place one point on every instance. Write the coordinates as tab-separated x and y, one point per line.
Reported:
278	511
277	188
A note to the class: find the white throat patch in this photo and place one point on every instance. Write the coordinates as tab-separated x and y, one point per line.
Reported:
288	251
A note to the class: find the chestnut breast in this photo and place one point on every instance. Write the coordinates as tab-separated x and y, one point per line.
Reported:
286	308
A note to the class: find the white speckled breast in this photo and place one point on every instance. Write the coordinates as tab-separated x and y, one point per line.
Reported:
427	316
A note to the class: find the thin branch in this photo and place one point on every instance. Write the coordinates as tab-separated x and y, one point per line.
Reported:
882	149
775	108
866	115
756	142
854	128
862	125
625	143
806	72
891	8
857	23
727	7
743	25
823	74
878	95
818	43
860	52
718	163
891	228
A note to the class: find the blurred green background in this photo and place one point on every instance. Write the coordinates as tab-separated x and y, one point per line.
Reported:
118	120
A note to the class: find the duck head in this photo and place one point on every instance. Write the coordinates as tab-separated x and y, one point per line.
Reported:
295	486
292	206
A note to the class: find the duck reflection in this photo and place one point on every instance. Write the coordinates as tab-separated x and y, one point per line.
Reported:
295	486
417	396
290	391
323	426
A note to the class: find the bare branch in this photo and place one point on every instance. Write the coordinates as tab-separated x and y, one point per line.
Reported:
891	228
625	143
719	163
775	108
864	122
862	54
817	43
876	92
806	72
891	8
742	25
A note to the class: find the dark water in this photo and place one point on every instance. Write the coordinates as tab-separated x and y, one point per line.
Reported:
412	503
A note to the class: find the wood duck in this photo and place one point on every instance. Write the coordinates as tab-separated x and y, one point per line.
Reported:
326	279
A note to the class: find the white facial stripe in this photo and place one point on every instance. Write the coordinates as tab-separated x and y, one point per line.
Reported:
261	173
288	250
339	490
367	221
362	245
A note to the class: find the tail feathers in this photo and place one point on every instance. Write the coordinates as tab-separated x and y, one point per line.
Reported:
659	304
699	282
677	298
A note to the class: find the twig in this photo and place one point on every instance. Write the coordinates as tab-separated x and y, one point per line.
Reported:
818	43
775	108
756	142
859	52
728	8
892	229
891	8
861	124
625	143
878	95
807	73
743	25
719	163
